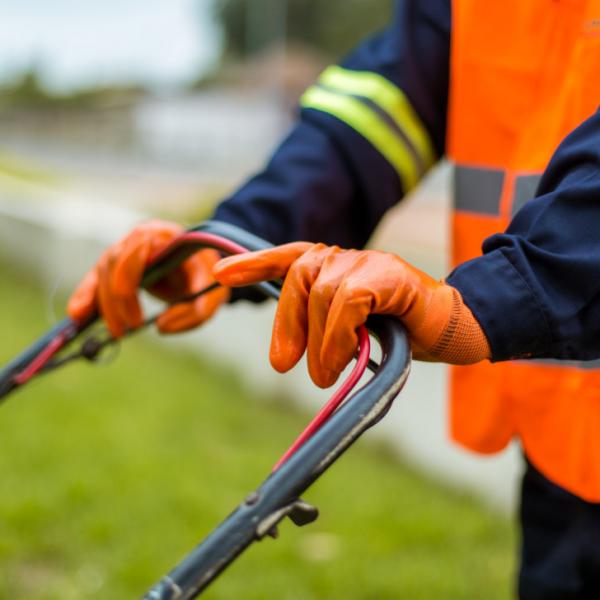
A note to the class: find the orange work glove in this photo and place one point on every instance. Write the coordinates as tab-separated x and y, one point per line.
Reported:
329	292
111	287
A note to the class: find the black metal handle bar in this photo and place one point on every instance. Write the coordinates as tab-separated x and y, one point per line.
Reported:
278	496
67	330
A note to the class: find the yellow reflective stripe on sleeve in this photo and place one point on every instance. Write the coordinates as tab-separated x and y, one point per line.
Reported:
388	97
370	125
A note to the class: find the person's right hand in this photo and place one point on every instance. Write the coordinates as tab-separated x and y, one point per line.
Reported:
329	292
111	287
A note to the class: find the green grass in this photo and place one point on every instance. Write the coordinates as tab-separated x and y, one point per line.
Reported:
108	475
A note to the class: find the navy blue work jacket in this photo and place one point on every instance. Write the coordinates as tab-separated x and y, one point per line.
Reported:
535	290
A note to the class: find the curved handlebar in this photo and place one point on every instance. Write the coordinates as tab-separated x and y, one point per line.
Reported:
279	494
67	330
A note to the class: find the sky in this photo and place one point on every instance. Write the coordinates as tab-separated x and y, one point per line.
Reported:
76	43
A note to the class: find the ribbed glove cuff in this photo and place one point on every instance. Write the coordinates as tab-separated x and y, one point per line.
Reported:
462	342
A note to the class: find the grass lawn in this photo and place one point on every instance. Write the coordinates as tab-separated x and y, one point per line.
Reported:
108	475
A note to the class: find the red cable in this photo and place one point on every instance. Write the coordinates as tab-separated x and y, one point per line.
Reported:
231	247
340	395
344	390
42	358
205	238
57	343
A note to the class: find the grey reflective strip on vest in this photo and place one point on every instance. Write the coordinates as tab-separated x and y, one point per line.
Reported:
586	365
478	190
525	189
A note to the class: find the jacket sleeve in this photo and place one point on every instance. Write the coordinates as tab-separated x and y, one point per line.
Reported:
368	130
536	289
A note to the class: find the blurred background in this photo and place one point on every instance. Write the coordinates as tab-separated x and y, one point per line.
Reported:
114	112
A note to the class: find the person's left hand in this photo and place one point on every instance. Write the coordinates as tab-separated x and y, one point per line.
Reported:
329	292
111	287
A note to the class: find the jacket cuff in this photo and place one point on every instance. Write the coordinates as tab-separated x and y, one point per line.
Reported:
505	306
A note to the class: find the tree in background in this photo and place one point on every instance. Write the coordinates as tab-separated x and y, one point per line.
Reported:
28	92
330	26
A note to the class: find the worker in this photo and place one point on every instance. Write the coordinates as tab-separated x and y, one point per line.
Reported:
508	91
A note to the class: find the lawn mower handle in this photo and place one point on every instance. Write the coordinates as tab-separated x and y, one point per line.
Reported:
67	330
279	495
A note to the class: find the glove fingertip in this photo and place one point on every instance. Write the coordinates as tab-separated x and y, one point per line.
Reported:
228	277
115	329
79	310
235	271
172	321
324	378
284	357
272	263
166	327
82	302
280	362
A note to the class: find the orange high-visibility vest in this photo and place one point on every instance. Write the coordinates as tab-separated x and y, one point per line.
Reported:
524	73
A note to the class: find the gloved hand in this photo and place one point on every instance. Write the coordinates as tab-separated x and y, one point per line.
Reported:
329	292
111	287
